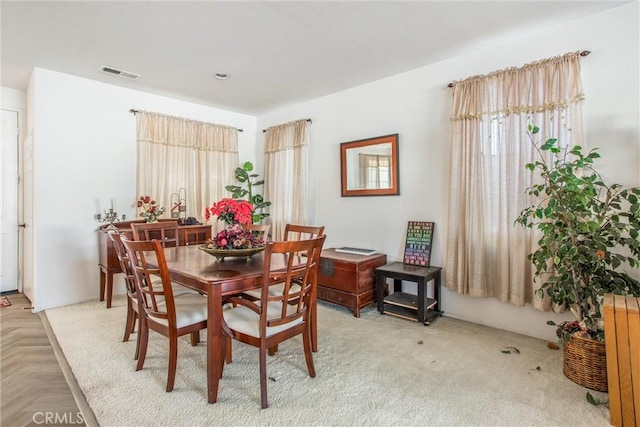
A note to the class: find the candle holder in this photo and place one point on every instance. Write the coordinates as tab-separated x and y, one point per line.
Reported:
110	216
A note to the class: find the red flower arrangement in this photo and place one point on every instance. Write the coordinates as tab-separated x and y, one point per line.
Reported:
234	213
231	211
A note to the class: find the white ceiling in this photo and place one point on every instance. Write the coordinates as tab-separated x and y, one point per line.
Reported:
277	53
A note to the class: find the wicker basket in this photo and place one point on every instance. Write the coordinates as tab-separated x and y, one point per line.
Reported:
585	363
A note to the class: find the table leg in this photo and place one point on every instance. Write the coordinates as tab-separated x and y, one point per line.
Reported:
214	342
314	321
109	288
106	285
380	285
436	291
102	282
422	295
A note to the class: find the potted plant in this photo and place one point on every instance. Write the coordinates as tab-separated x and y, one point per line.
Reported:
245	177
589	237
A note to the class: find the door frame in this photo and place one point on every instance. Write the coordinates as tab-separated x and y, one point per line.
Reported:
15	181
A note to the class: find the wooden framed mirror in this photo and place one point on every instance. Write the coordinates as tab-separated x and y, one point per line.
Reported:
370	166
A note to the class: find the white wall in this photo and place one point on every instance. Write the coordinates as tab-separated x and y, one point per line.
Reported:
416	105
84	153
12	99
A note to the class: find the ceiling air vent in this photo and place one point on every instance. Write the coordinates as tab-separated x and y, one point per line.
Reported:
120	73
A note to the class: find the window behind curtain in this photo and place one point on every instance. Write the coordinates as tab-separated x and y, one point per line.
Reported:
176	153
486	253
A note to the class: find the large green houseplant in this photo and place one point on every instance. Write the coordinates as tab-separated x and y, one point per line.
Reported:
248	179
589	235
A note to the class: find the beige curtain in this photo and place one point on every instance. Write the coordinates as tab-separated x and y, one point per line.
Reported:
487	253
286	175
175	153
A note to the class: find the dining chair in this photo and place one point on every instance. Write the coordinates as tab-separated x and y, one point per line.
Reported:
302	232
294	232
261	230
130	285
159	310
291	232
278	316
194	236
166	232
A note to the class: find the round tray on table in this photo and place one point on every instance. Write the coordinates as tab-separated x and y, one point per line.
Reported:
221	254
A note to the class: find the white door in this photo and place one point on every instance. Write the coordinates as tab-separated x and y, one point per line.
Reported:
9	207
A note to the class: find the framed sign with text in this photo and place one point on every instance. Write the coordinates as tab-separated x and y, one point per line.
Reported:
417	249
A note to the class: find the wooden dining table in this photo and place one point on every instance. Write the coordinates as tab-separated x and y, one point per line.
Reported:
196	269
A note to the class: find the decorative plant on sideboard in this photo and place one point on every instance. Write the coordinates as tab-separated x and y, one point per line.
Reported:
245	177
150	210
589	235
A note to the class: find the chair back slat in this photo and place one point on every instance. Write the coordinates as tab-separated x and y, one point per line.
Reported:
166	232
302	232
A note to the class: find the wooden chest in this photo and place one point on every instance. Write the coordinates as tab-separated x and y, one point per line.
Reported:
348	280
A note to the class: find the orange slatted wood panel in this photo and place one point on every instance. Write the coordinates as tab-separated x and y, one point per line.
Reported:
622	333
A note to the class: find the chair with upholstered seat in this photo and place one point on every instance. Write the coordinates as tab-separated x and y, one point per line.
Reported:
278	316
166	232
291	232
296	232
159	310
130	284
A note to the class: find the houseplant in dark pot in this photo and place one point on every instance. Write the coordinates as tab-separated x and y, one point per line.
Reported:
589	238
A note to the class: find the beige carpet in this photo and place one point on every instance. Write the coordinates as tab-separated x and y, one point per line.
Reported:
376	370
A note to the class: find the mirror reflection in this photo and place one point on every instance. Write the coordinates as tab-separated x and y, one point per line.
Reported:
370	166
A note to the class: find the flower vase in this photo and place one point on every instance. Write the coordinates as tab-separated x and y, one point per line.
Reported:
233	242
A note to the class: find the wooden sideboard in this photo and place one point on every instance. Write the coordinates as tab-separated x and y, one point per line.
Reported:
348	280
108	260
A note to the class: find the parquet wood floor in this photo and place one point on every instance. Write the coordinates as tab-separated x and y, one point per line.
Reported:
33	387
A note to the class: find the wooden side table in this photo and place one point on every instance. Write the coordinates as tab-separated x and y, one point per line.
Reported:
420	308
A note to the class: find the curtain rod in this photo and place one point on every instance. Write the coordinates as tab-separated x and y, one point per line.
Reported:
264	130
134	112
582	53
